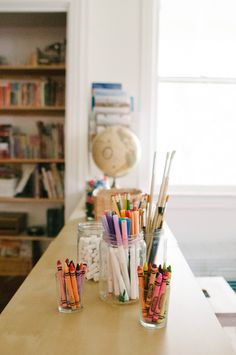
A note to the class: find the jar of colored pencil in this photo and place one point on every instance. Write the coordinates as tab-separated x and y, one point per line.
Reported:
70	284
154	292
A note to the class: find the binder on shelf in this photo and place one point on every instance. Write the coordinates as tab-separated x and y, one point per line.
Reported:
55	221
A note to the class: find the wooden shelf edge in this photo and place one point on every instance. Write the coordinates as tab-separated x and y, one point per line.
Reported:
32	108
31	200
26	237
30	161
60	67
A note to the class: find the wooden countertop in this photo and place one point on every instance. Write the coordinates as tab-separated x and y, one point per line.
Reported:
31	324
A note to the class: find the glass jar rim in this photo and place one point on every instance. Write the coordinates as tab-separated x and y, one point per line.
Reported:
90	225
111	239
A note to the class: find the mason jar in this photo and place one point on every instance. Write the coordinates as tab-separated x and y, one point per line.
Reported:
118	278
88	241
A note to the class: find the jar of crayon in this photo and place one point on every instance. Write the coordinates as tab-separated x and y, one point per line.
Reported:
120	255
154	292
70	284
89	237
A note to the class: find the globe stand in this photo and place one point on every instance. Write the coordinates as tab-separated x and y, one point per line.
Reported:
113	185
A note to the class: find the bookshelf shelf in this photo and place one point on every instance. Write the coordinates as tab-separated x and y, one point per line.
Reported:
31	161
28	109
32	68
30	200
26	237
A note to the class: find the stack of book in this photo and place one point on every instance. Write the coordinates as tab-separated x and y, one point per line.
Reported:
111	105
41	181
32	93
48	143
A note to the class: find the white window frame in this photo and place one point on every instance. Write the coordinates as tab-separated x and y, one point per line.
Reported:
149	101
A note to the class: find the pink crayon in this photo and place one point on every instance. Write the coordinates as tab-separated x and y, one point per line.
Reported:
61	282
78	277
155	296
160	297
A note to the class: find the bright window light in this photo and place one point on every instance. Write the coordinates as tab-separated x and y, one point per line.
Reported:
197	90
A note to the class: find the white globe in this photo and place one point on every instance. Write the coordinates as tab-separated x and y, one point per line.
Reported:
116	150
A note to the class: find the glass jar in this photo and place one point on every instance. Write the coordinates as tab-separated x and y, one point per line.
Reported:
88	241
154	317
118	279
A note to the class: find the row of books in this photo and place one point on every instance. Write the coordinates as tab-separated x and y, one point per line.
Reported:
111	105
48	143
41	181
36	93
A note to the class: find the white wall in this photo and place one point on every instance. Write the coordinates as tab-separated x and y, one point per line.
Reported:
114	52
203	225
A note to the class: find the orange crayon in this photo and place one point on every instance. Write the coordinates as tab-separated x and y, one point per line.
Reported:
141	291
152	278
74	284
69	288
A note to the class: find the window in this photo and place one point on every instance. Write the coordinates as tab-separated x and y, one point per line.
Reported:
197	90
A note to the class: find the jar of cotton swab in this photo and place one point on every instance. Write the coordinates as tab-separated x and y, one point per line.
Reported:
122	249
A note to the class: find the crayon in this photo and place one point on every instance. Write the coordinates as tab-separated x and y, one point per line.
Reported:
74	284
69	287
155	297
166	297
142	291
159	304
61	282
154	270
78	278
145	274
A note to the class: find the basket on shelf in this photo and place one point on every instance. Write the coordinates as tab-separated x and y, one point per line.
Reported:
103	201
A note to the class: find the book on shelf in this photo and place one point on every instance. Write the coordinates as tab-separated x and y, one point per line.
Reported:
51	140
39	181
110	119
33	93
48	143
110	98
27	171
55	221
5	140
106	85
